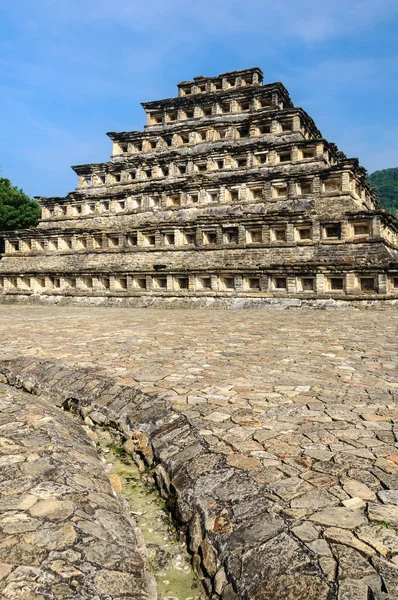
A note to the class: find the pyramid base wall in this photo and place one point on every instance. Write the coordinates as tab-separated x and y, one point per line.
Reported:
202	302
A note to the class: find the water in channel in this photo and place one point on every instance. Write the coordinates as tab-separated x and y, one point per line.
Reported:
169	558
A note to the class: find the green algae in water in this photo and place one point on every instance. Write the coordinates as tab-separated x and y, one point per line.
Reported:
169	558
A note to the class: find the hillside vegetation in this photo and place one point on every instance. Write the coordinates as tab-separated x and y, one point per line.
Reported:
386	184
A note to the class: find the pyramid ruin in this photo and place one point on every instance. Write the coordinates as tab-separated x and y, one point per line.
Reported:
230	195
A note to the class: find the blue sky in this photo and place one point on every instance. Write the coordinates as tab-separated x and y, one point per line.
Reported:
72	70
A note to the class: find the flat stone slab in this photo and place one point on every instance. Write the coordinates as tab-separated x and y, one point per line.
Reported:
272	434
65	533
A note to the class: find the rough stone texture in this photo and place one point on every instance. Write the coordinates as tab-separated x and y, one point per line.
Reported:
229	197
320	417
293	587
64	532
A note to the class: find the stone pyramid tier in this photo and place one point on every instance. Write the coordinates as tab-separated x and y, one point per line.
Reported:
230	196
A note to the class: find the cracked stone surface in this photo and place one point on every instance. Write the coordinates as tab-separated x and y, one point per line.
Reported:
280	443
65	533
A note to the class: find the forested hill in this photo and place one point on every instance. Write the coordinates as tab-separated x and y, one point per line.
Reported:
386	184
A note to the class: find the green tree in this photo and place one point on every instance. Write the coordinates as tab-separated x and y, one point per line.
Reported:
386	184
17	210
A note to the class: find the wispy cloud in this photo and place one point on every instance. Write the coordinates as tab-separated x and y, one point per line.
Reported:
306	19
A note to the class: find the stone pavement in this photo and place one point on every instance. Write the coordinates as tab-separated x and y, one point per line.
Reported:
65	533
301	403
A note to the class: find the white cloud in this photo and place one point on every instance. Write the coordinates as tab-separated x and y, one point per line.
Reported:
180	20
314	20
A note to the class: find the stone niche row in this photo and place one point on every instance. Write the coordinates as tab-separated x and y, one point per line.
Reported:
218	235
223	162
208	85
260	100
269	191
161	142
277	283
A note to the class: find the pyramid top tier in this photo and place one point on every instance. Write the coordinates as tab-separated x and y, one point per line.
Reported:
222	82
244	89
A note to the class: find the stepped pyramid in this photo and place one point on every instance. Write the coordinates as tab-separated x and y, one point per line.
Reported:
229	193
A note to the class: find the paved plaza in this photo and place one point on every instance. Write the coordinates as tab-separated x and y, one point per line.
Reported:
302	402
254	359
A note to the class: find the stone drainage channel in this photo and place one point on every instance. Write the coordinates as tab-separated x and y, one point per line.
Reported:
168	556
